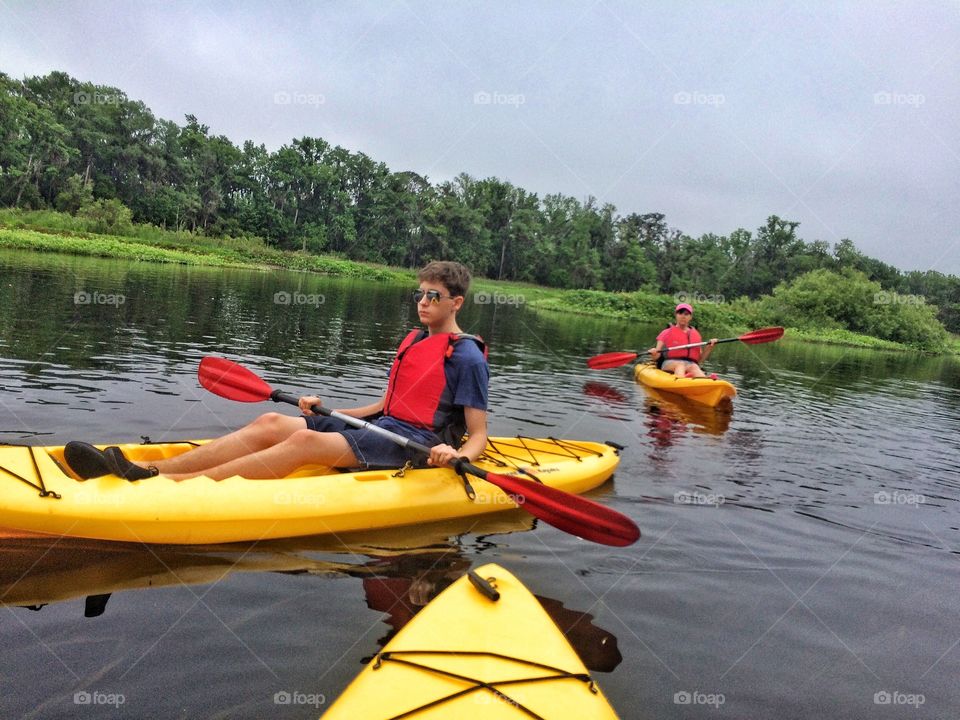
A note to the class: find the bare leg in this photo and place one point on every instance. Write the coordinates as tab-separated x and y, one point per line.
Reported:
694	370
303	447
677	367
264	432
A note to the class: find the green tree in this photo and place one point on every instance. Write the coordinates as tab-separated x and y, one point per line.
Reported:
75	195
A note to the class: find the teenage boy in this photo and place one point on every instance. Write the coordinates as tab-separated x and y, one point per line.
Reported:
437	390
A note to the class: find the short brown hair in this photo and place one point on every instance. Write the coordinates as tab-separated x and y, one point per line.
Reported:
452	275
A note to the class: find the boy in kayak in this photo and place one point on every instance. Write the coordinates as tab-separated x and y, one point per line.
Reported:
437	390
685	362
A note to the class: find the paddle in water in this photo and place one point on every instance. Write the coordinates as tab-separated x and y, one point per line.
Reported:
565	511
616	359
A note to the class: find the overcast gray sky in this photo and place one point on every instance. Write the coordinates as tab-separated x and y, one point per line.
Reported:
842	116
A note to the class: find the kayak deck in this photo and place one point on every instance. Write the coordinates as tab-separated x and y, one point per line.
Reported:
706	391
468	655
37	494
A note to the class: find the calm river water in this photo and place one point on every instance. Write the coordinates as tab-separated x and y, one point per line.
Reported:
815	575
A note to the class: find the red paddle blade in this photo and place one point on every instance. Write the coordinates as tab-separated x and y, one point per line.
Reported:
229	380
610	360
570	513
762	336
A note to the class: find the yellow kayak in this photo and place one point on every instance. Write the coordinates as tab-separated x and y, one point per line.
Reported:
706	391
467	655
37	494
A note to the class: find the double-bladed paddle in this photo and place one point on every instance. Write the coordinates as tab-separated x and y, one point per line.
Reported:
616	359
565	511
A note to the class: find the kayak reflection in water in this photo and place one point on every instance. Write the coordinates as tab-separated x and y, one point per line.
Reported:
401	586
437	390
684	362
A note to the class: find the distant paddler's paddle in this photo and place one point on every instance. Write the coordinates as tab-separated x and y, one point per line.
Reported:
565	511
616	359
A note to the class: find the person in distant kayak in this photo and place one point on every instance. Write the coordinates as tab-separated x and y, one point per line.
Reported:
685	362
436	391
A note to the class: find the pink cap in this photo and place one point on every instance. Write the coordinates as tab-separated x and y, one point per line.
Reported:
684	306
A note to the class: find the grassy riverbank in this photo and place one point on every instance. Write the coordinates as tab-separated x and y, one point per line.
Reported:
48	231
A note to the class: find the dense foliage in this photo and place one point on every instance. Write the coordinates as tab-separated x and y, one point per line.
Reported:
90	151
825	300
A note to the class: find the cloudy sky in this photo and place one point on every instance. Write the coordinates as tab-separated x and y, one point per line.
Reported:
842	116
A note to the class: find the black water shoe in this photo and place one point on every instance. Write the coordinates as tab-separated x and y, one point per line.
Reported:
127	469
86	460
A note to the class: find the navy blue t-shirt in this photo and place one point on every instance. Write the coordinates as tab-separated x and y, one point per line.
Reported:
468	375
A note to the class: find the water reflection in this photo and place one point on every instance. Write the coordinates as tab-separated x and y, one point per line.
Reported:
42	569
401	571
670	416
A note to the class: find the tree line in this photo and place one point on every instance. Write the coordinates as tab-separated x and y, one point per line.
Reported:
80	147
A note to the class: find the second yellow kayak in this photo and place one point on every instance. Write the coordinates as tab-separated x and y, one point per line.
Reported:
706	391
476	653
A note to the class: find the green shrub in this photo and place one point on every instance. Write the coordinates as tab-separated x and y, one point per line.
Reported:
825	300
107	216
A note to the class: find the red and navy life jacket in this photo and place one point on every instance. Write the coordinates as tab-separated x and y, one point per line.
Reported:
676	336
417	390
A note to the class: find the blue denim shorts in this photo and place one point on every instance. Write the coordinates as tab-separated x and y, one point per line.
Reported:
373	450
